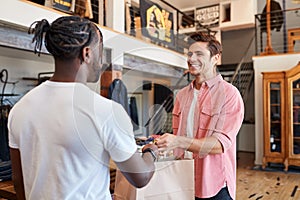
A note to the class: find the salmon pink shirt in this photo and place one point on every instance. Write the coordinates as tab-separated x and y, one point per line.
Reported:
219	112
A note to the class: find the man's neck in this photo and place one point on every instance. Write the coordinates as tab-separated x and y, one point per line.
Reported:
68	72
200	79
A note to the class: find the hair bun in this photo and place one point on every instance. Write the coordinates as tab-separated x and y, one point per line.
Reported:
39	29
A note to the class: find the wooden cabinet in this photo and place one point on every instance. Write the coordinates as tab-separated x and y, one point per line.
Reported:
282	117
274	117
293	115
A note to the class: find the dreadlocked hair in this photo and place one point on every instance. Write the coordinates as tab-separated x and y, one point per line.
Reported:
40	28
214	46
65	37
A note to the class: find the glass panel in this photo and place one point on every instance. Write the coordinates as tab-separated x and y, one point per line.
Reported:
275	126
296	116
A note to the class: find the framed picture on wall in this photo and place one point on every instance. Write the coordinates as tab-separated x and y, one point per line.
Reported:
208	16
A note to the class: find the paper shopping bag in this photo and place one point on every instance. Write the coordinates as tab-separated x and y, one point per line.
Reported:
171	180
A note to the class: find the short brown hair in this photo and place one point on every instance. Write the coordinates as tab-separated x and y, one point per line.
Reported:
214	46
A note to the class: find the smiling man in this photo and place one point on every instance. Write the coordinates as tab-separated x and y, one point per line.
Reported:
207	116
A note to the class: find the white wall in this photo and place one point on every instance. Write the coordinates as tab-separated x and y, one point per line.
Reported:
235	44
242	13
22	67
24	13
246	138
115	10
266	64
121	43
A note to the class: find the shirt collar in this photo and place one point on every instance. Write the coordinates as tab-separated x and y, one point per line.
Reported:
209	82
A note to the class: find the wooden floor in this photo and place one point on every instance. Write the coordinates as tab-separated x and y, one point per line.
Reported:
7	190
256	184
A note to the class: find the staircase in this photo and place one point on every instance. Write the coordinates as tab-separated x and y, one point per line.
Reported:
240	75
243	78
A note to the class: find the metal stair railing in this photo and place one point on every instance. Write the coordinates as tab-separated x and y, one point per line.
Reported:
243	79
243	75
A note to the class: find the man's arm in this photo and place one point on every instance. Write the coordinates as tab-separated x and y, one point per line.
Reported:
203	146
138	169
17	174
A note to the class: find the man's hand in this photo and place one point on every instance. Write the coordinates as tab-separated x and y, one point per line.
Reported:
168	142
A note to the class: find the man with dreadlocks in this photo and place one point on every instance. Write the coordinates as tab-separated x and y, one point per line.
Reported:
62	134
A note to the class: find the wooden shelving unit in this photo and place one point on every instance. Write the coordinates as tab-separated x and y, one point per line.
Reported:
282	117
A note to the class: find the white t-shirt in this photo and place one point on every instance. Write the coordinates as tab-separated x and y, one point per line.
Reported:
66	134
190	122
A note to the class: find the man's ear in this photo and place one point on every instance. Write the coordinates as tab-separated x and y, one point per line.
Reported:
86	54
217	57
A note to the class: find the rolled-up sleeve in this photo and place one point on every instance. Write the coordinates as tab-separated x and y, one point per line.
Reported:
230	120
176	116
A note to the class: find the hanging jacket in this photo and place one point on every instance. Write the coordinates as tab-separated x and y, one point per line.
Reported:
117	92
134	113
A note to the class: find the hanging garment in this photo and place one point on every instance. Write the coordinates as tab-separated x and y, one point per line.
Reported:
5	171
4	149
276	17
117	92
5	163
134	113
